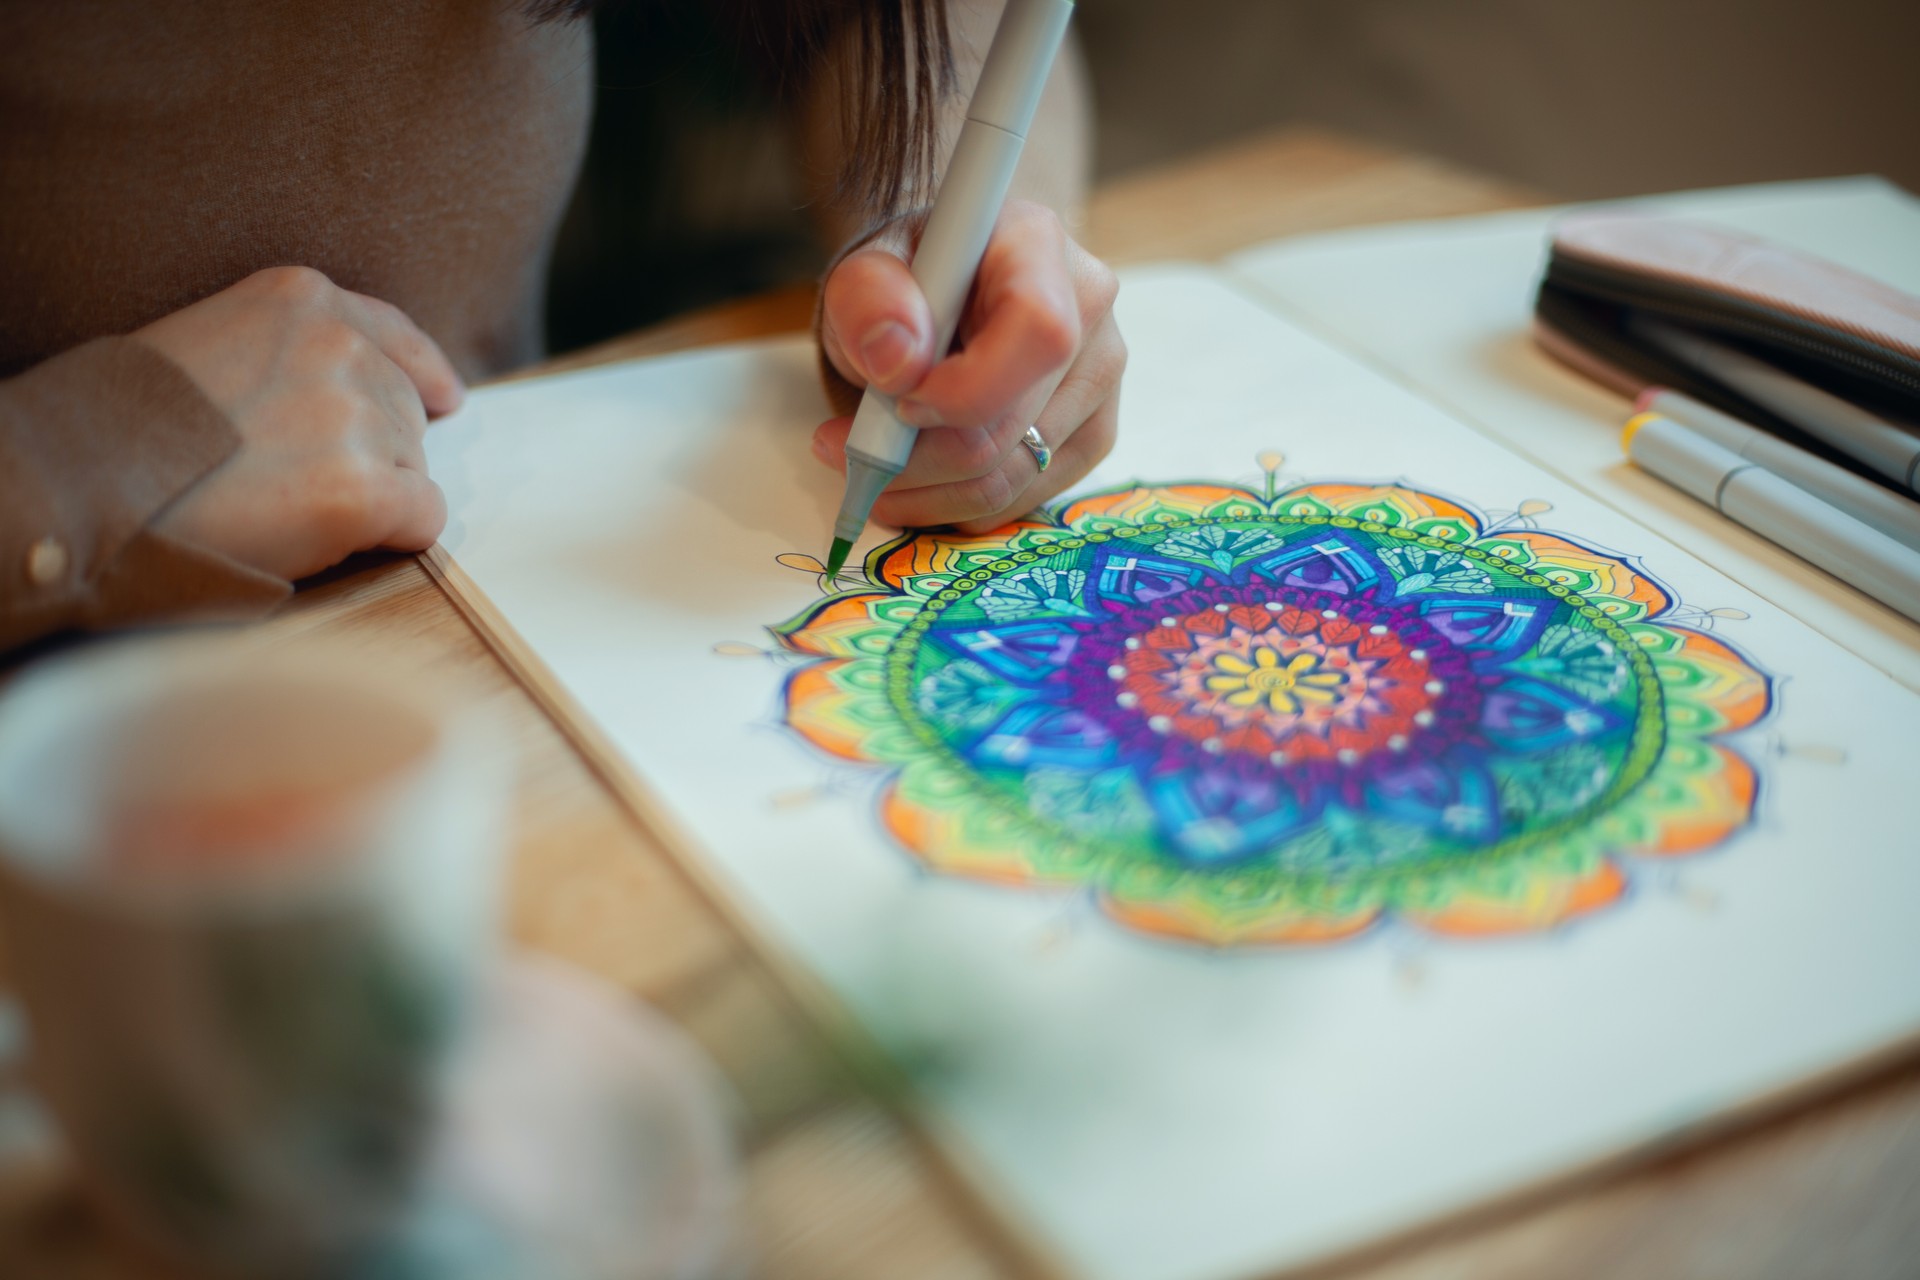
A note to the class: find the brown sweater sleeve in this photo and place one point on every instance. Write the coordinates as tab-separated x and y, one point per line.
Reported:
94	444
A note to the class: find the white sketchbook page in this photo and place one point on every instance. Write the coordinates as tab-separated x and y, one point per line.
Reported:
1444	306
1157	1112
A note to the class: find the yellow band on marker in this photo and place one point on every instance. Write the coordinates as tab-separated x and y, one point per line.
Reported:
1632	429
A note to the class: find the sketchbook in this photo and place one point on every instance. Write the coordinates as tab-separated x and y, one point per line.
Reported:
1356	804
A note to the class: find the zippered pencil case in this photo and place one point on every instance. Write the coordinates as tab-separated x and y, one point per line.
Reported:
1609	272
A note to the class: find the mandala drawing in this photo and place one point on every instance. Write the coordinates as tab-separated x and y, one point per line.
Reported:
1240	718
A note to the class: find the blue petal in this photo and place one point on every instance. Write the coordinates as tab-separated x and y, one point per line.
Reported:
1492	631
1524	716
1328	560
1041	735
1133	578
1212	817
1454	797
1030	652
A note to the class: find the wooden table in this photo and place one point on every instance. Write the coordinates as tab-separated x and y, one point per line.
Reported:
836	1188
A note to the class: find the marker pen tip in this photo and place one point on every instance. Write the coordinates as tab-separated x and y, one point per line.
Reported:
837	558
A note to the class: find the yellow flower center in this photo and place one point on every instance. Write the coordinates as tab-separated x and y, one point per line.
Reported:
1267	679
1286	685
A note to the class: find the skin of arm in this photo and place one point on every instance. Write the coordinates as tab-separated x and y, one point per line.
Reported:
1038	343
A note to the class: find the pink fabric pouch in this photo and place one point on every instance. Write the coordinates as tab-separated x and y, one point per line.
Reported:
1852	335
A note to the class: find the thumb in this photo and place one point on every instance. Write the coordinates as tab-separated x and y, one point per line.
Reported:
875	326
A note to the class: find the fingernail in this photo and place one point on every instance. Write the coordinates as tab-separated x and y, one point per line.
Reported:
886	351
919	413
820	449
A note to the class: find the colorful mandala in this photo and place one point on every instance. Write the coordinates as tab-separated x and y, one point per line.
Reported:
1240	718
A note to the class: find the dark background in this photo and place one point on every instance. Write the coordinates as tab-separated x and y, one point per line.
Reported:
688	192
689	195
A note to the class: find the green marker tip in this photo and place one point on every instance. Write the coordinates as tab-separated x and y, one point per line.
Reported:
837	558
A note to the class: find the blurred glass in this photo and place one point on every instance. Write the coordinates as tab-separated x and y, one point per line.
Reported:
246	896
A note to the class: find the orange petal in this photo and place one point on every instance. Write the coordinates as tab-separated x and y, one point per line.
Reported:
1545	903
1340	631
828	627
1174	637
1721	803
1187	499
1354	499
1199	728
1145	662
1251	739
1194	923
1380	646
1158	702
1297	620
815	704
1615	577
921	554
1738	692
1209	623
1304	746
937	837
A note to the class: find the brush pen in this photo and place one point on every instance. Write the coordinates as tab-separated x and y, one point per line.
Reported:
1865	500
1884	447
958	228
1789	517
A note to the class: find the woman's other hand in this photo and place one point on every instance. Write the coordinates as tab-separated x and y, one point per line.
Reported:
1037	345
331	392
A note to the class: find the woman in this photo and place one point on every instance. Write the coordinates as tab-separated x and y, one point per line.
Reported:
310	224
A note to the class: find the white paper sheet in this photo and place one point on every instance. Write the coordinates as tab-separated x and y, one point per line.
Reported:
1444	307
1154	1111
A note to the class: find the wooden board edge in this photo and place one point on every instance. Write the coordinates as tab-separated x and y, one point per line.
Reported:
1003	1223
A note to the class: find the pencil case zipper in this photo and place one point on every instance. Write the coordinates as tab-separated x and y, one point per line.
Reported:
1722	314
1573	316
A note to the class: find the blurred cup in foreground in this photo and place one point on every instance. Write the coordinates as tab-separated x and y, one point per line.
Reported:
246	896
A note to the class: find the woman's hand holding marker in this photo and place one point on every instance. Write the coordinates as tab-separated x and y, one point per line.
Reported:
1037	346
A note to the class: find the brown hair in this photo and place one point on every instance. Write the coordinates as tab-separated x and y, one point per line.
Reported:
899	71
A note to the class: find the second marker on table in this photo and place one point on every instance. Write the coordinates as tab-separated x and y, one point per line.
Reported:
1789	517
1870	503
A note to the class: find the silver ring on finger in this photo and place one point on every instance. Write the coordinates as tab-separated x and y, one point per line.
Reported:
1042	453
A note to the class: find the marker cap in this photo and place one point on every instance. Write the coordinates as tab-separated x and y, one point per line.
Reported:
1689	462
